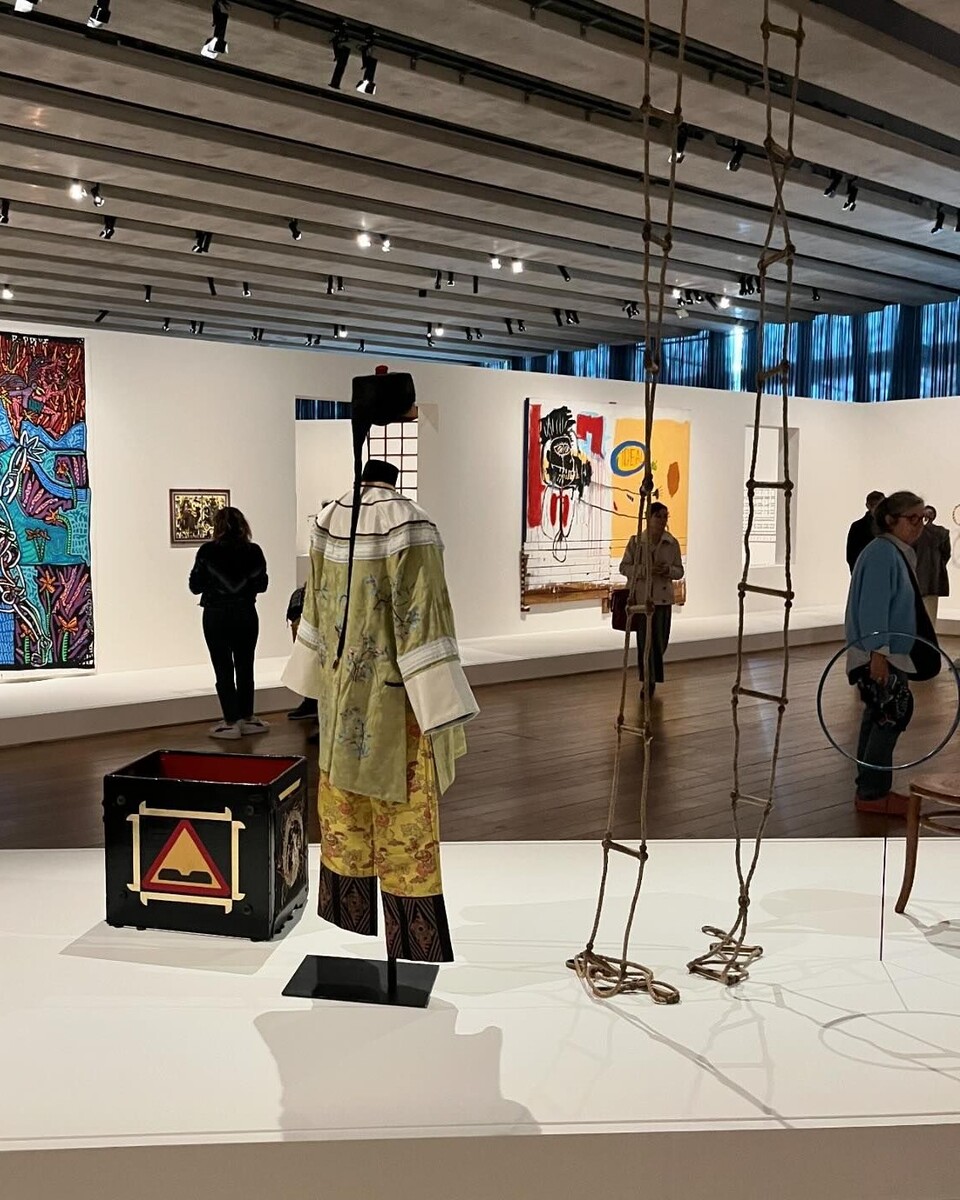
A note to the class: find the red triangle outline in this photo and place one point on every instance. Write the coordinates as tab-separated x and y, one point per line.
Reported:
150	884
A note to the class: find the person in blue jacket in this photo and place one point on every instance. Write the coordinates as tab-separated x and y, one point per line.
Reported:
887	632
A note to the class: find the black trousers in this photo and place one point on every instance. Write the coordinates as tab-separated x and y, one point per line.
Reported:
876	746
231	634
662	620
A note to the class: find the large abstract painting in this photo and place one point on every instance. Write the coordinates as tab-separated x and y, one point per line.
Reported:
582	476
46	598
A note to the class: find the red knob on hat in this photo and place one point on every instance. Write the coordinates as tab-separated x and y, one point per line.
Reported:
381	370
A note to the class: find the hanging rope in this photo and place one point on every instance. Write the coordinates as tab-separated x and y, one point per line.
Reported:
729	957
603	975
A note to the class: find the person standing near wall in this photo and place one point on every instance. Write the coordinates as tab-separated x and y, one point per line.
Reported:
933	554
228	575
667	566
862	531
891	641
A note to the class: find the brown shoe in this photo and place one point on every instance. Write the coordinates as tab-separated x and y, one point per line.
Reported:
893	804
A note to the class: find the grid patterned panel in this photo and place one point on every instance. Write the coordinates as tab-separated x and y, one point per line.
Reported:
398	444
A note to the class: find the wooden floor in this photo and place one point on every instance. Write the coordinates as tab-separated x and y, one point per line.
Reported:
541	758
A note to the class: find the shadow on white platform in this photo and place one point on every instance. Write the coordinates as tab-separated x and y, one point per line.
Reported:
40	709
174	1060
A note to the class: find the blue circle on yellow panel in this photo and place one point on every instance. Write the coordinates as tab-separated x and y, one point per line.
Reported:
628	458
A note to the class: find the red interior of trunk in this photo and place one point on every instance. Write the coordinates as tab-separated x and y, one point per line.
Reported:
223	768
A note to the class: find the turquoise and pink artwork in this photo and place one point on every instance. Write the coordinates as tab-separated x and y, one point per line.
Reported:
46	595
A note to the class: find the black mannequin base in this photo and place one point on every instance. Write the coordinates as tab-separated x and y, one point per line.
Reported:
364	981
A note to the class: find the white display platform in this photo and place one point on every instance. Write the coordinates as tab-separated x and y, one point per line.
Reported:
157	1065
40	709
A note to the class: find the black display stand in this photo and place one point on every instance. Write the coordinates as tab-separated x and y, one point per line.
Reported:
364	981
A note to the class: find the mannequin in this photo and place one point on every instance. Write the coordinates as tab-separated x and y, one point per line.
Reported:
377	648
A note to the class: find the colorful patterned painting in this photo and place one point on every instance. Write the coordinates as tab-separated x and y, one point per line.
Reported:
583	469
46	597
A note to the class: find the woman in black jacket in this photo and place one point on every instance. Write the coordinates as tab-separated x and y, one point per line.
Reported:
228	575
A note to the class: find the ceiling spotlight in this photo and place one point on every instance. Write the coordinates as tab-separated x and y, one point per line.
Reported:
329	285
308	340
295	231
97	196
495	262
245	291
439	331
4	212
451	281
99	15
724	302
509	325
109	228
77	191
430	341
941	217
679	152
367	85
25	6
516	266
736	158
147	293
340	286
558	317
815	295
522	326
468	333
677	293
438	282
339	332
835	180
165	327
479	334
564	274
385	244
476	285
341	54
101	316
362	346
364	241
851	201
6	292
202	243
211	284
194	328
216	44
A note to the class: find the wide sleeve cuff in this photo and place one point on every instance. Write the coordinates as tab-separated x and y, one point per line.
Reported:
441	697
302	673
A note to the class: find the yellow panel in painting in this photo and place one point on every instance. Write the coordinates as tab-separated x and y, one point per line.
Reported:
671	476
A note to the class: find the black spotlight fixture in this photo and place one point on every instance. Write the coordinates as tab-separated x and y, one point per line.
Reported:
216	44
147	293
815	295
329	285
165	327
564	274
367	84
202	242
212	285
96	195
245	291
308	340
99	15
679	151
468	333
362	346
479	334
101	316
736	158
451	279
836	178
558	317
4	212
850	203
340	287
109	228
438	282
941	217
341	55
295	231
476	285
509	325
522	326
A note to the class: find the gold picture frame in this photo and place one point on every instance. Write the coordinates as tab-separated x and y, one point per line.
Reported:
192	513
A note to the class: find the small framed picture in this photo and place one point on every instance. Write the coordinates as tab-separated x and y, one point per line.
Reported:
192	515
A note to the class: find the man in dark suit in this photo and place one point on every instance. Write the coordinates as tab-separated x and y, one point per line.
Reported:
933	555
862	532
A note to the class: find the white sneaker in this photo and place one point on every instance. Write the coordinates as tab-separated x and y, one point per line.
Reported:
226	732
254	725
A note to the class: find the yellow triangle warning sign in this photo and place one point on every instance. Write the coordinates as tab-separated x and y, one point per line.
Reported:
184	867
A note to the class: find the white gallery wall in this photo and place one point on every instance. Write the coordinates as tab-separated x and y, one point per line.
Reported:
181	414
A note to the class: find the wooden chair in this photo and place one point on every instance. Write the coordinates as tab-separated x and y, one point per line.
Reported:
943	790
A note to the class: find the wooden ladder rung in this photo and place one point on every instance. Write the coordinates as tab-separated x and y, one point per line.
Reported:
777	372
636	730
779	485
743	798
666	115
777	152
742	691
628	850
756	590
771	257
783	30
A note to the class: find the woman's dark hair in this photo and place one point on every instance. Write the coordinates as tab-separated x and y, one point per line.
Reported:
889	509
230	525
659	509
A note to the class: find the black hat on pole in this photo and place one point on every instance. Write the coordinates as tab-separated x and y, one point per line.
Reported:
378	399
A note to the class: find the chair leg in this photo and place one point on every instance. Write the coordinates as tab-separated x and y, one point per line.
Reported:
913	841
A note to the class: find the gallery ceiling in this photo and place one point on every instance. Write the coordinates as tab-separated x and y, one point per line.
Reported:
504	128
